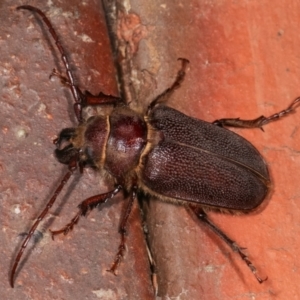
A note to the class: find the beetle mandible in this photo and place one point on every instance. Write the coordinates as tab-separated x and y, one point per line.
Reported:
227	173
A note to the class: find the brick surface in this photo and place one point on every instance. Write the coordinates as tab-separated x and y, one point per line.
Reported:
244	62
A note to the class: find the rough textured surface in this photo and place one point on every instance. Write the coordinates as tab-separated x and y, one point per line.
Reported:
244	62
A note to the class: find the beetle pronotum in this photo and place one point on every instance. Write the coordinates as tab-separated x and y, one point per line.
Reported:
152	152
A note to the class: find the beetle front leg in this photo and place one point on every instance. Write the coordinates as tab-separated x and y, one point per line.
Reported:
86	99
84	207
202	216
260	121
176	84
123	232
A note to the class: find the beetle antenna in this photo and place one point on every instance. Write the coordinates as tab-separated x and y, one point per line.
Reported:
73	87
72	168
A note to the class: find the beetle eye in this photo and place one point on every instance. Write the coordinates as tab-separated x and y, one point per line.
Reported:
65	155
64	137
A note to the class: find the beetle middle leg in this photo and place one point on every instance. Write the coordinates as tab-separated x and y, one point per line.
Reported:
91	203
123	232
84	207
260	121
202	216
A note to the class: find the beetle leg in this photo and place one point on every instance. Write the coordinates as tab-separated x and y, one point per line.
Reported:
169	91
84	207
152	268
260	121
123	232
86	99
202	216
150	257
64	80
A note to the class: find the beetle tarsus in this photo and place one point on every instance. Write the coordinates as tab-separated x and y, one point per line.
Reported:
245	258
62	78
260	121
65	230
152	264
118	257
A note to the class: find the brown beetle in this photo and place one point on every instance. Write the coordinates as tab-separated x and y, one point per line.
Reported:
161	152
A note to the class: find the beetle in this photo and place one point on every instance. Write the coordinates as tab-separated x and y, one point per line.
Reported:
160	152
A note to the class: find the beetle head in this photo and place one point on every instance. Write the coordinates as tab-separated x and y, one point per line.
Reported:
65	149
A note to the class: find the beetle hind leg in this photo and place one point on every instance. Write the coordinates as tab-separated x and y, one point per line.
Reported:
260	121
84	207
202	216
